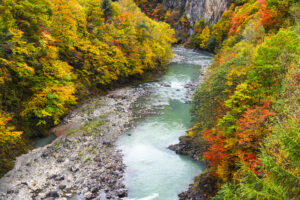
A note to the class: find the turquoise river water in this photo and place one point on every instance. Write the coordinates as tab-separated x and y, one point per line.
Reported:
153	171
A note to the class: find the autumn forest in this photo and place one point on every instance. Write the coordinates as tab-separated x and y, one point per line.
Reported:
245	114
53	53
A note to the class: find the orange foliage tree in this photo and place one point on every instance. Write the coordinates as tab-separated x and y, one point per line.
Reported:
267	16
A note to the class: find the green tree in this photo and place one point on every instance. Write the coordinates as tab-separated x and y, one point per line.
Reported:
107	8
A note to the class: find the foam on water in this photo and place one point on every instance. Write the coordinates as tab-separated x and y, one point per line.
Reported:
153	171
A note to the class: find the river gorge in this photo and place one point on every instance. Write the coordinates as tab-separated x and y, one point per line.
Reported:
116	146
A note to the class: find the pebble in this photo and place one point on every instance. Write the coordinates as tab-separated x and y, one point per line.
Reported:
62	187
88	195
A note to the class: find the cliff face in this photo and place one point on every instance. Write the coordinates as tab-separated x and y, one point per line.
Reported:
194	10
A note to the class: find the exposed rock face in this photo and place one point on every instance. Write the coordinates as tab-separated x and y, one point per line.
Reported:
175	4
210	10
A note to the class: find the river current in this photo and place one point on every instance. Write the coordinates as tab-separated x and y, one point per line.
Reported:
153	171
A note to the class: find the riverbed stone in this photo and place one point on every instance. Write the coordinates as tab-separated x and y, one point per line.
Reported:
62	187
122	193
53	176
88	195
53	194
59	178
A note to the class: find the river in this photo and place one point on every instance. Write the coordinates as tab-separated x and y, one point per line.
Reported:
153	171
160	113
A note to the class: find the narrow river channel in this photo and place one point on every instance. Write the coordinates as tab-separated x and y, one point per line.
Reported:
153	171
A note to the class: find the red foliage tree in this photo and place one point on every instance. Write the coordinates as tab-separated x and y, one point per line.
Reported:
250	159
216	152
267	16
116	42
237	19
251	129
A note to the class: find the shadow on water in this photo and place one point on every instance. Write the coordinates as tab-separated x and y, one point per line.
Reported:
44	141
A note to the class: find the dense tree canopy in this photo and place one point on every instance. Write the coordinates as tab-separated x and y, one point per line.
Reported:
54	51
247	110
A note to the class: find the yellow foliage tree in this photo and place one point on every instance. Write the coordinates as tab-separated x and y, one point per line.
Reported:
204	37
10	142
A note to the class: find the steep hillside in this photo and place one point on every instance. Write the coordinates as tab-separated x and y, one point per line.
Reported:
53	52
246	113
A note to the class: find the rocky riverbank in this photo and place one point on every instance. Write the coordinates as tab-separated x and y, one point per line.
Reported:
204	185
83	162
